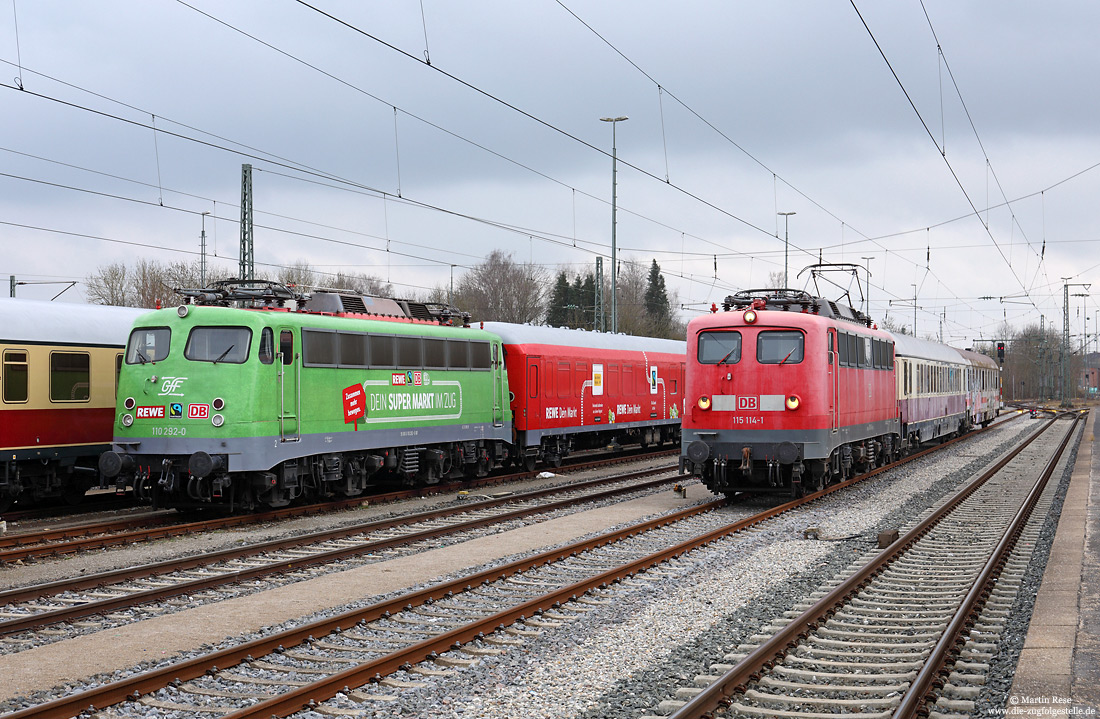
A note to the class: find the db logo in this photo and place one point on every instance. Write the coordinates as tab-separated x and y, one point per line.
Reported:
198	411
747	403
171	384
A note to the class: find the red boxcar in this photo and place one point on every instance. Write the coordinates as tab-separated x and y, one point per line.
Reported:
786	391
572	389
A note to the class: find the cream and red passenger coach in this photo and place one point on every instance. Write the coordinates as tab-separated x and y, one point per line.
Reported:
786	391
58	377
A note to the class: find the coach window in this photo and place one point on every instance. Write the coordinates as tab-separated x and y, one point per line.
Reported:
267	346
70	376
563	380
408	352
15	376
148	344
218	344
782	347
353	349
719	348
479	355
286	346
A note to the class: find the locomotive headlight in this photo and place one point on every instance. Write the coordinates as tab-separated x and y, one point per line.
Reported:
793	402
217	420
182	311
218	404
750	316
127	420
129	403
704	402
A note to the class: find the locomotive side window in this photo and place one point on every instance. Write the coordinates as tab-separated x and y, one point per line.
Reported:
458	354
148	344
783	347
381	351
719	348
435	353
218	344
353	349
286	346
15	376
479	355
854	346
318	348
842	348
267	346
70	376
408	352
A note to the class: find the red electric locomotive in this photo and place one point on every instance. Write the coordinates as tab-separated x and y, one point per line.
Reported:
572	389
786	391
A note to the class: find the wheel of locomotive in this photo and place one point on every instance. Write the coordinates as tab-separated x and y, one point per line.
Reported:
554	460
529	463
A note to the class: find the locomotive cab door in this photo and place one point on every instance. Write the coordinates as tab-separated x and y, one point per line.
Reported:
290	386
498	384
833	375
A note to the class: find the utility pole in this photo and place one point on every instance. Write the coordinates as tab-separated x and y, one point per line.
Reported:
12	278
202	252
1065	334
867	261
786	243
614	183
248	265
599	323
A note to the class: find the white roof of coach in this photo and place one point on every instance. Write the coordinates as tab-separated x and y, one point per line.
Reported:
909	346
513	334
65	322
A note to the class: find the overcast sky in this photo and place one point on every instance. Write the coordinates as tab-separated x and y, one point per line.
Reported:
969	174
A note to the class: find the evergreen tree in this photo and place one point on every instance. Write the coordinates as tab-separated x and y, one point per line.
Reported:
557	314
656	300
587	300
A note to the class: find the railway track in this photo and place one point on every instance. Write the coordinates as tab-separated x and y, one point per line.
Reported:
31	608
420	633
913	629
21	546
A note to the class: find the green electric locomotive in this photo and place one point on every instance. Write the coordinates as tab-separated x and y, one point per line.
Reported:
303	396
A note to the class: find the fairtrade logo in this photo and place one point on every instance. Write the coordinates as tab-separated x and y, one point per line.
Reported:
170	385
175	410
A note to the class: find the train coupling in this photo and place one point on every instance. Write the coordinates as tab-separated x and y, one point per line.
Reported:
746	460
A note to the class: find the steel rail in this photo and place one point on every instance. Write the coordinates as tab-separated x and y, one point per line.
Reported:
918	694
132	688
768	654
30	550
32	621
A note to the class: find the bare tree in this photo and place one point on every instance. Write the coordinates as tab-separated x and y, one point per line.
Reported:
109	285
503	290
362	284
775	281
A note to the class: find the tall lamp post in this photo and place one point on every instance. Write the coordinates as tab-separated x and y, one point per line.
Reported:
786	244
614	262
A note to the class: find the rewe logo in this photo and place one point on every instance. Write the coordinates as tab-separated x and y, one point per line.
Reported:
170	385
